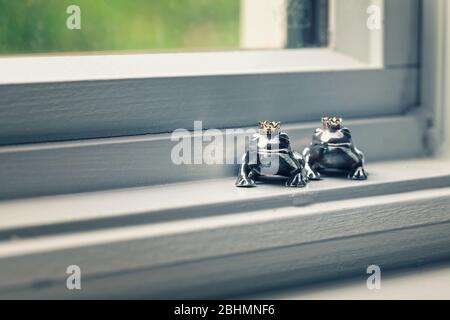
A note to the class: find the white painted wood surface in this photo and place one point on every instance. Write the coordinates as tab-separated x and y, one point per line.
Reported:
206	238
91	67
238	258
208	198
263	24
419	283
401	32
433	85
447	83
101	164
235	249
92	96
109	108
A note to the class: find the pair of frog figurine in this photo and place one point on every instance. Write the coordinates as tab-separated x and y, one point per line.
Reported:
331	151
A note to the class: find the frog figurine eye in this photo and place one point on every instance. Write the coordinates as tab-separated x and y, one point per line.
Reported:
332	150
270	153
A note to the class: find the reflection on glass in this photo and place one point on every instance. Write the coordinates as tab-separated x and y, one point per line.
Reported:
40	26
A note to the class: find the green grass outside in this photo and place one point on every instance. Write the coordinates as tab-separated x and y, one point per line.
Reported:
39	26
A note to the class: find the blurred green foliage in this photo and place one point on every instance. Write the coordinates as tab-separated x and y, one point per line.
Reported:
39	26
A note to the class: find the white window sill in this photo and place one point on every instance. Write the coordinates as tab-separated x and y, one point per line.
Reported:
210	198
65	68
418	283
132	161
211	239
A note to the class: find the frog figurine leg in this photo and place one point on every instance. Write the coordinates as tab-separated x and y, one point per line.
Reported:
358	172
311	166
291	166
246	174
296	180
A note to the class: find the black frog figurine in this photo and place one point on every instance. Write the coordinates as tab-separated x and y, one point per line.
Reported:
270	153
332	150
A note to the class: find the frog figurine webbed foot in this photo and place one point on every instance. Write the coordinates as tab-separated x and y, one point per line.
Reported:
270	153
358	173
332	150
245	182
296	181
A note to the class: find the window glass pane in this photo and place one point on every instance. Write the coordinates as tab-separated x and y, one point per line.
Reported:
53	26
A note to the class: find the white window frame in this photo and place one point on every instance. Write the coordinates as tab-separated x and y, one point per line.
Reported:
123	110
447	92
186	241
435	75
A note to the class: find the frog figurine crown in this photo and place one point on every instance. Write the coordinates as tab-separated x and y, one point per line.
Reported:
332	122
269	127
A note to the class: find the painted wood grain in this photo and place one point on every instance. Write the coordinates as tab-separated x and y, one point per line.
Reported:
27	218
91	109
229	255
100	164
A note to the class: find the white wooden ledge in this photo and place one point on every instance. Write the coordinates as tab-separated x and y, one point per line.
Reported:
421	283
209	239
41	169
216	197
